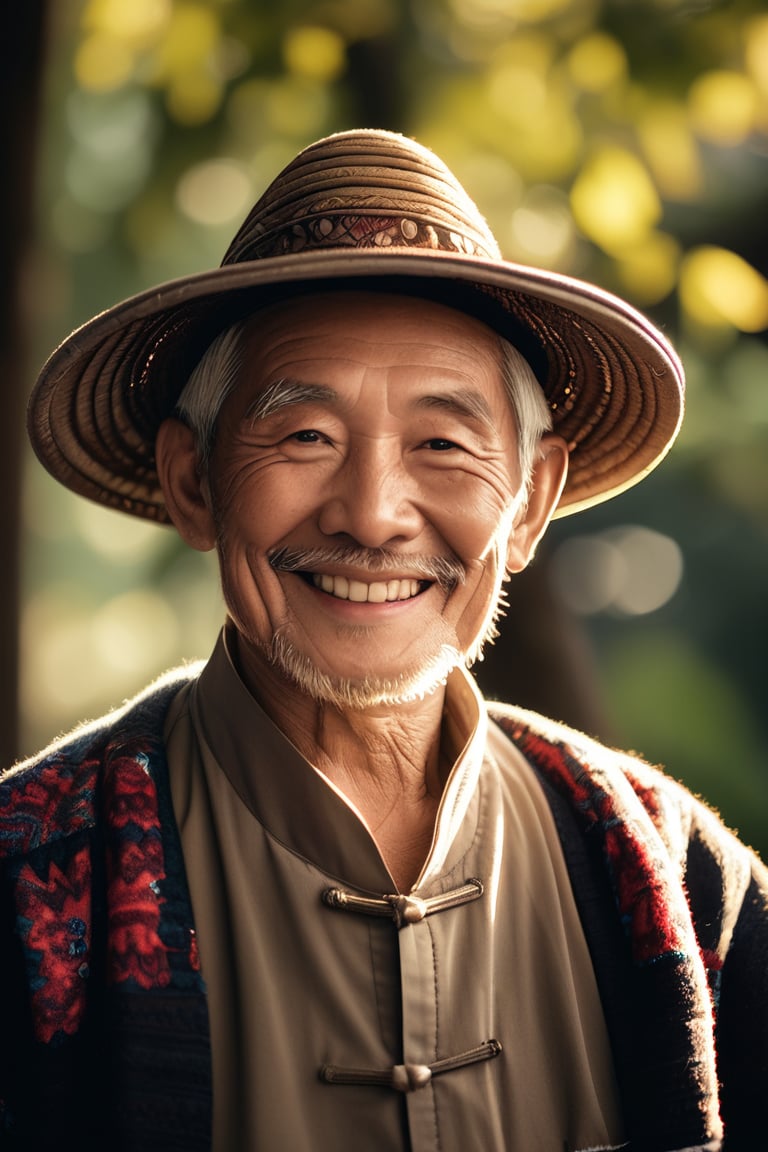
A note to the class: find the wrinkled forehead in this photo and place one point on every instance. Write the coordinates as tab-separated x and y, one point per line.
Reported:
373	328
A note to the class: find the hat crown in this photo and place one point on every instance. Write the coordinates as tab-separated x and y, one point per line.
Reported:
363	189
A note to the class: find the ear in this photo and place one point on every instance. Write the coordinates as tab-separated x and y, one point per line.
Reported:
549	472
184	489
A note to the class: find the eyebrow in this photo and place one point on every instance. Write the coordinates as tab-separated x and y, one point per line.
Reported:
284	393
464	402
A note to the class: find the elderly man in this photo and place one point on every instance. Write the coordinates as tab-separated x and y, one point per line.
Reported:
317	894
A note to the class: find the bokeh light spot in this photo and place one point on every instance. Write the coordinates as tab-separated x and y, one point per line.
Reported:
81	659
188	48
649	270
630	571
756	51
214	192
194	97
542	228
671	149
718	287
127	627
597	62
103	63
295	107
485	13
117	538
723	107
614	200
588	573
113	143
314	52
112	125
135	20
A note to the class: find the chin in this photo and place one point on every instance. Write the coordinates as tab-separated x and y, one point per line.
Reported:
356	694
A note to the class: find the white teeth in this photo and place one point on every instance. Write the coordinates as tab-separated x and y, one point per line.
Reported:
361	593
358	591
377	593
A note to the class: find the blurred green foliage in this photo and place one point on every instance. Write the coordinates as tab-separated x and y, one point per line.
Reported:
625	142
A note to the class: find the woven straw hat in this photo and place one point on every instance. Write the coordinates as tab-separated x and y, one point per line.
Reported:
367	209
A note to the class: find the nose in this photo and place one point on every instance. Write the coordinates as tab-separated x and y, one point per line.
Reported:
372	498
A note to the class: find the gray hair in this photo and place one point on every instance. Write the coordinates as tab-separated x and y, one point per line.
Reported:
218	372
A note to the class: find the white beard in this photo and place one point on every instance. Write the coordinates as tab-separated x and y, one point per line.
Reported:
357	694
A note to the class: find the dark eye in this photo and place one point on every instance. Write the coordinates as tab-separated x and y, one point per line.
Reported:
307	436
437	444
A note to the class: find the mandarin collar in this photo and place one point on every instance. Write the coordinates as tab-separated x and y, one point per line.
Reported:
301	808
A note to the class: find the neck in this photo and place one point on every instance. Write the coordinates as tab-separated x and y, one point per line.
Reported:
389	761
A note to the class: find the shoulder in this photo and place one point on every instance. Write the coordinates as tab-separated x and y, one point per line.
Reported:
582	766
626	801
52	795
572	758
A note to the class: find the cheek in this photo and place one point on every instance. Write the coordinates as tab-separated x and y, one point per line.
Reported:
472	518
249	587
259	503
475	605
248	532
481	543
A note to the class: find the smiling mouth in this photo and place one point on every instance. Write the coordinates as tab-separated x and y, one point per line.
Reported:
377	592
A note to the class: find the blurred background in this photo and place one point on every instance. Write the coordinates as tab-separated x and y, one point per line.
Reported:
625	142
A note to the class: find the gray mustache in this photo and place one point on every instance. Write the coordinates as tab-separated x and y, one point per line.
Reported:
446	571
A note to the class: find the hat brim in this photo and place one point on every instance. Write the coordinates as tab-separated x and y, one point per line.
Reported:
615	384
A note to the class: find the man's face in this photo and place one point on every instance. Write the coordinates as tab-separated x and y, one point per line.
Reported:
363	485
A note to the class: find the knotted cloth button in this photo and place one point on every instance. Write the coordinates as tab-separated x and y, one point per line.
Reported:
410	1077
403	909
409	909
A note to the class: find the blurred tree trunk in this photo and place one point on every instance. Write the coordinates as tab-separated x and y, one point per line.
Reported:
21	66
542	658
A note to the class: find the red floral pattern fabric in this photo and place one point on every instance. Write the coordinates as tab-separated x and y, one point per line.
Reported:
655	916
45	803
87	823
54	913
135	873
